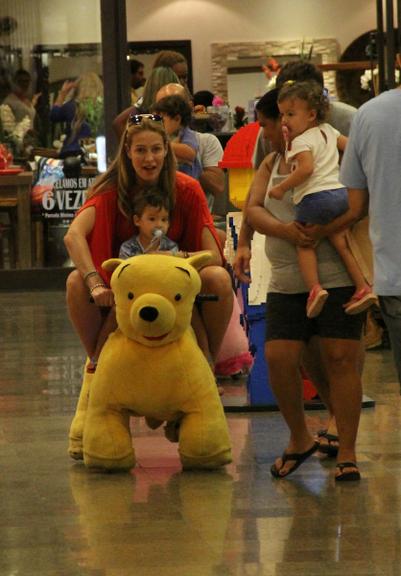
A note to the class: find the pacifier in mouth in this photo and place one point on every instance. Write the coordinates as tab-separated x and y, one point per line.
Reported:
286	136
286	133
157	233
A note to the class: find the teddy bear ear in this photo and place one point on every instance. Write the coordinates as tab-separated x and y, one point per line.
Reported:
200	259
111	264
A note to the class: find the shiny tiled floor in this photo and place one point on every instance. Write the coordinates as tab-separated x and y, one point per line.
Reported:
58	519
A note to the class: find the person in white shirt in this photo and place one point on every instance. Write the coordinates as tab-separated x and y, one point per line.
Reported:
319	197
212	177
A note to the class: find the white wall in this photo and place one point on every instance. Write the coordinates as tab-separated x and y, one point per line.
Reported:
201	21
70	21
207	21
55	22
52	21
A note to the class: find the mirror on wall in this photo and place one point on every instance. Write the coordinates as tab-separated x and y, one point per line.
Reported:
237	74
247	81
54	64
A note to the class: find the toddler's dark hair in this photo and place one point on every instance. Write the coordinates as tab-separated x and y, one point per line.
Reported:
300	71
150	197
204	98
267	105
311	92
173	105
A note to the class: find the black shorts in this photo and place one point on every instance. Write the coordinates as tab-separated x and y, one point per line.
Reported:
286	317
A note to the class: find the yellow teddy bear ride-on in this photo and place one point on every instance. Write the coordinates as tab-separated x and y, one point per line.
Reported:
151	366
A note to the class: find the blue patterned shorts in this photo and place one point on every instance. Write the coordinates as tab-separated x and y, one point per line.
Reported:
322	207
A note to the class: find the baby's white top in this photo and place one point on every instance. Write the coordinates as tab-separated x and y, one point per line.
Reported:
321	141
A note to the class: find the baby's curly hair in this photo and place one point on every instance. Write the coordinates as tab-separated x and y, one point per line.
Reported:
311	92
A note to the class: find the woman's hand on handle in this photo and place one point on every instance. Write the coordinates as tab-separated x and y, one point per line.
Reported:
102	296
78	249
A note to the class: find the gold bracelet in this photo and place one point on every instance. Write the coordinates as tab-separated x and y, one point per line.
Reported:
90	274
185	254
98	285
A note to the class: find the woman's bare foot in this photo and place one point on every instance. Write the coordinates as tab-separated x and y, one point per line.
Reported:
328	443
292	458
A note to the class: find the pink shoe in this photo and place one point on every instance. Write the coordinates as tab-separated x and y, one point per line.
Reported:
316	300
360	301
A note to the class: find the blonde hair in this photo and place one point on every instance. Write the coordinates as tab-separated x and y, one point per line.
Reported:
122	174
87	94
89	85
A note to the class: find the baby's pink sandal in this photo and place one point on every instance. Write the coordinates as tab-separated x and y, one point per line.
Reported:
360	301
316	300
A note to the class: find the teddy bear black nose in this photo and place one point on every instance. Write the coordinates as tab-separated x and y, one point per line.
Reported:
148	313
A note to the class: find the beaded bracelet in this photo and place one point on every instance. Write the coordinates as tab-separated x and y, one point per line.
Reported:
90	274
98	285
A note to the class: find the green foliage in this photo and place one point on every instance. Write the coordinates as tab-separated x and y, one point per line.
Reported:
94	115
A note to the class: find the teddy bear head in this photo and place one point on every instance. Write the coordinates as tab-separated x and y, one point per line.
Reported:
154	295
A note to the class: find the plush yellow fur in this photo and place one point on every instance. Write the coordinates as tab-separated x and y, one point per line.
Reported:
152	366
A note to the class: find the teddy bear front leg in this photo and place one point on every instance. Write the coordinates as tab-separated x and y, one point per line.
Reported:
75	436
107	440
204	440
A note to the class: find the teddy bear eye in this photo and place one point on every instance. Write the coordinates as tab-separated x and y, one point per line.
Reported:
130	295
177	297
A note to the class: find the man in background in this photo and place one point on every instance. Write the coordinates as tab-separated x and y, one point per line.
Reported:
371	171
138	79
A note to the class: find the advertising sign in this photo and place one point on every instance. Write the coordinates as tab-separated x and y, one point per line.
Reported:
65	198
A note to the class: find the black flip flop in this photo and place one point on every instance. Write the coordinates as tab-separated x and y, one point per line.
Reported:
329	449
353	476
298	458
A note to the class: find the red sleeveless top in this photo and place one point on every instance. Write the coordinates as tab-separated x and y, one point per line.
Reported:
191	214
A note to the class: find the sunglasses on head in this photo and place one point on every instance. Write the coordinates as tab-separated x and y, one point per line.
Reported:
135	119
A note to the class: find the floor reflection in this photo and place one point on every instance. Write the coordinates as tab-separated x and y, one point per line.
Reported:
59	519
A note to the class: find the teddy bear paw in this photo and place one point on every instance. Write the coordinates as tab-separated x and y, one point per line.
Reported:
75	449
106	464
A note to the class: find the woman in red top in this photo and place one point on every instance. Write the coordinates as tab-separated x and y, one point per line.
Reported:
144	159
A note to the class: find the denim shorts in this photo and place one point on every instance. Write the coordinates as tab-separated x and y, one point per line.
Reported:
286	317
322	207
